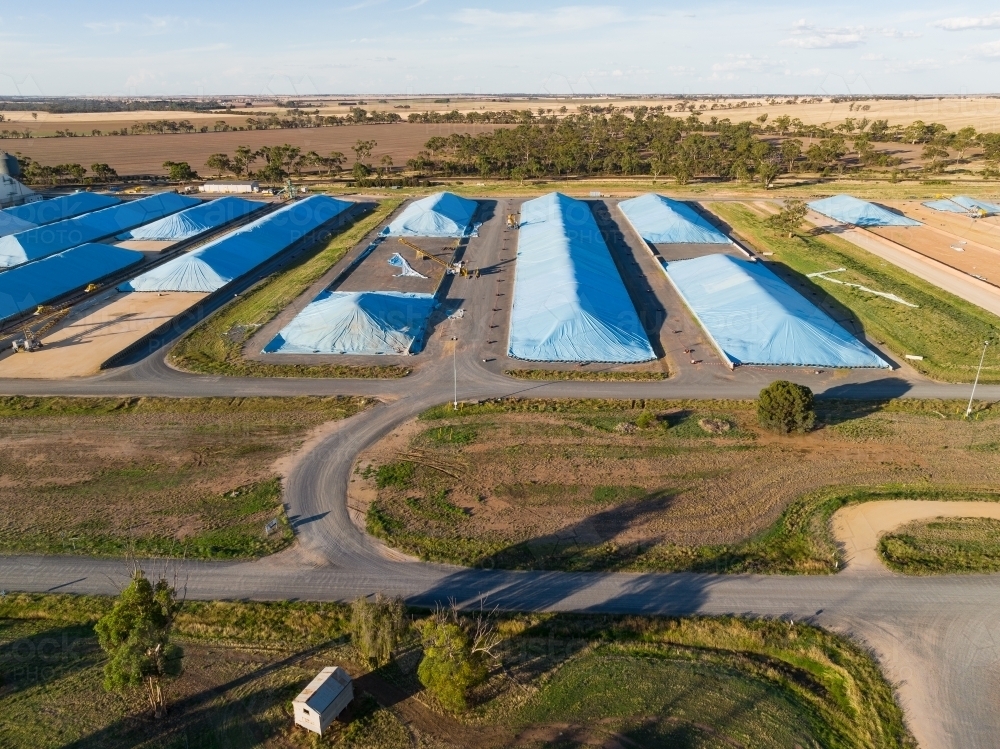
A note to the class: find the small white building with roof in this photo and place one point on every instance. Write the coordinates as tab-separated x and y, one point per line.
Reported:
323	699
230	187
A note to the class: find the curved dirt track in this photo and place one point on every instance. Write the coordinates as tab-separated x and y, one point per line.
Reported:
858	528
936	637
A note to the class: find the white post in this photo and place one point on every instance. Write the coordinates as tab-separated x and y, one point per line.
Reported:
968	411
454	367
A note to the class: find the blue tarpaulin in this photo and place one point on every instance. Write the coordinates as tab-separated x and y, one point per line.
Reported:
42	241
849	210
963	204
756	318
569	302
191	222
357	322
12	224
660	220
443	214
223	260
42	281
43	212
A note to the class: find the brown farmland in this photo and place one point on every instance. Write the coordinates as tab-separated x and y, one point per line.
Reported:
580	490
145	154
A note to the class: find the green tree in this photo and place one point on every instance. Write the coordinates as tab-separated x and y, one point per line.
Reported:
791	150
451	665
219	163
785	407
135	635
103	172
279	161
376	626
363	151
179	171
787	220
243	160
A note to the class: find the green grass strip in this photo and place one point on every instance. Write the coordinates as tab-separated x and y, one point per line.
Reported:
215	346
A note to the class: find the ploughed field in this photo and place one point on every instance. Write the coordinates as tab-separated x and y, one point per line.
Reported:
654	486
145	154
183	477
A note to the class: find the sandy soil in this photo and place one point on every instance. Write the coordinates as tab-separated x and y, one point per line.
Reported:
94	332
970	257
858	528
375	274
147	246
985	231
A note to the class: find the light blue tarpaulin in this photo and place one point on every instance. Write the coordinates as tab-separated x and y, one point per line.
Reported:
357	322
442	214
42	281
569	302
963	204
43	212
756	318
660	220
191	222
849	210
225	259
12	224
52	238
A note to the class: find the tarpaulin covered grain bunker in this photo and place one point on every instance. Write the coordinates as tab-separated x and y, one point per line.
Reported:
660	220
199	219
754	317
569	302
357	322
52	238
442	214
40	282
49	211
849	210
223	260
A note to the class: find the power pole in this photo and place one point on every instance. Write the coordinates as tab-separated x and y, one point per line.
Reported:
968	411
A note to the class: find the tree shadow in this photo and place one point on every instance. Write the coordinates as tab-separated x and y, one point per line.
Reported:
47	656
855	400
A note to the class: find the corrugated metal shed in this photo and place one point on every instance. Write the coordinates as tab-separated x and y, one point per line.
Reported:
223	260
323	699
40	282
42	241
569	301
191	222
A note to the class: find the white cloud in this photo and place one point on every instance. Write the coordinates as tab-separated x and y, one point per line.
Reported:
991	49
566	18
749	64
872	57
913	66
963	23
807	36
897	34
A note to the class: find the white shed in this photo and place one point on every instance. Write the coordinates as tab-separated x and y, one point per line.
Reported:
230	187
323	699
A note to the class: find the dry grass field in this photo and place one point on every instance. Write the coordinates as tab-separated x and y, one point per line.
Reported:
615	485
193	477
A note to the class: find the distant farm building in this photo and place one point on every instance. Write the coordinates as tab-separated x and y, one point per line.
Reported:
323	699
231	187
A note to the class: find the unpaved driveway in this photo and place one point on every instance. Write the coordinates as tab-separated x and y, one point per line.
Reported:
858	527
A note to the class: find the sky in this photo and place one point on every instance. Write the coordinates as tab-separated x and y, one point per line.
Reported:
215	47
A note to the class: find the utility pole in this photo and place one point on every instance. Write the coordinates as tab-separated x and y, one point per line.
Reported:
454	369
968	411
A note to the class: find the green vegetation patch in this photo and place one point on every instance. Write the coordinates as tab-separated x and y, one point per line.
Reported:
215	346
184	477
946	330
945	545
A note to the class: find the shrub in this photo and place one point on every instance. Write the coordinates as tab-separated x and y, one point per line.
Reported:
376	626
786	407
398	475
450	667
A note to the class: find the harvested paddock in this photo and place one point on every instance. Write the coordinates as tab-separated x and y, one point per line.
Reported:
612	485
192	477
145	154
972	258
94	332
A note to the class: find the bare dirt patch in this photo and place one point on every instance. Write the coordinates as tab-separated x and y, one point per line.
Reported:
186	476
617	488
